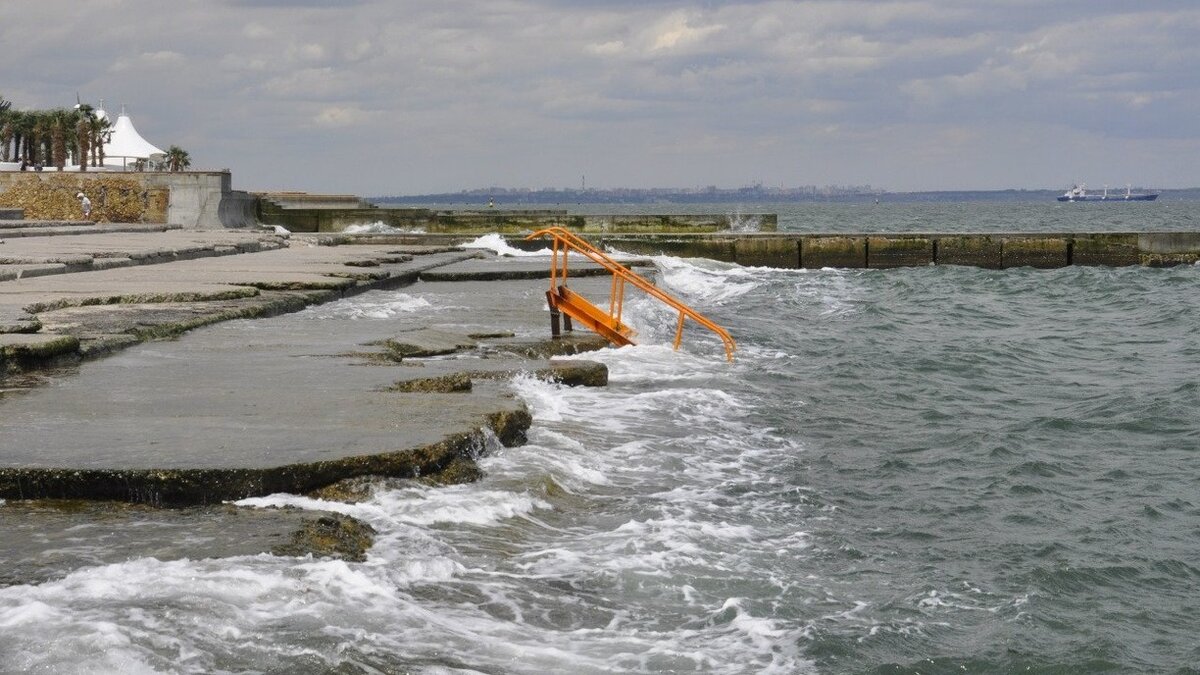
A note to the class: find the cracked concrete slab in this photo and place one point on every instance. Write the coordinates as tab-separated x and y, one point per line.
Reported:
242	408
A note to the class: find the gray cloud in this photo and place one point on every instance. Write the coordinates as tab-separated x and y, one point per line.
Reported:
380	97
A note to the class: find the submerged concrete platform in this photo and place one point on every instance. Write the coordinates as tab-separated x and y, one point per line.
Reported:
243	409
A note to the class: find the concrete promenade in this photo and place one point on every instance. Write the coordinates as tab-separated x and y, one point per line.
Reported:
381	405
71	292
329	408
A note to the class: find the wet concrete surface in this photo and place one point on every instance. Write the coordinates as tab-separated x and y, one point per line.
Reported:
232	364
324	384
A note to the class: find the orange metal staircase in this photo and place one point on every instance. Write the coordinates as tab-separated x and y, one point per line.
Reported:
571	305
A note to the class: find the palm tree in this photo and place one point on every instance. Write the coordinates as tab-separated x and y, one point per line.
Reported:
101	129
35	129
28	131
177	159
83	137
6	129
6	135
59	120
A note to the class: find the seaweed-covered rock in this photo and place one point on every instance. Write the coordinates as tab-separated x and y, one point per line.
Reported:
330	536
460	470
441	385
349	490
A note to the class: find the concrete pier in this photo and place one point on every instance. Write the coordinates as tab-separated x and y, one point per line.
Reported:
329	214
883	251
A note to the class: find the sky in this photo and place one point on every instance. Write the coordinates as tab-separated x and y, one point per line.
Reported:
402	97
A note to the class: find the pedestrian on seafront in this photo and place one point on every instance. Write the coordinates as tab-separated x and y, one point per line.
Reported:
85	204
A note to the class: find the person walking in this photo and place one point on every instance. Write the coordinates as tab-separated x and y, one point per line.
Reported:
85	204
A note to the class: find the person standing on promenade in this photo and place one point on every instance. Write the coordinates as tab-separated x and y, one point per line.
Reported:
85	204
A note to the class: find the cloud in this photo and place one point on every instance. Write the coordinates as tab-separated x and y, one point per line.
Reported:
341	116
159	59
676	31
688	92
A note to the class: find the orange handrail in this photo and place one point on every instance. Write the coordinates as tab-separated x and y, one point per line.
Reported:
566	241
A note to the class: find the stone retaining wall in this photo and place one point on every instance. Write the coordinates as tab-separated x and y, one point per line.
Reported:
196	199
878	251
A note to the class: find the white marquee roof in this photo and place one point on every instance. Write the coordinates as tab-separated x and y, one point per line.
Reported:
126	143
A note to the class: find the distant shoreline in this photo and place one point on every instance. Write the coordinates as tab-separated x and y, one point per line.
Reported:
745	196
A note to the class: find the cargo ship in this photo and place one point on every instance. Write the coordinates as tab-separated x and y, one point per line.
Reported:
1079	193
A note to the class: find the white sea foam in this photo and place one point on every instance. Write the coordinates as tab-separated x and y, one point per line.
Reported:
739	222
707	281
629	535
417	505
379	227
457	505
370	306
497	244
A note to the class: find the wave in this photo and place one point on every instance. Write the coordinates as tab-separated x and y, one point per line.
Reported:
380	227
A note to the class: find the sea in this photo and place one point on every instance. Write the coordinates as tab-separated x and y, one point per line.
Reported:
925	470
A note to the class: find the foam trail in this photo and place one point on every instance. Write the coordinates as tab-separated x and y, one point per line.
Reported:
379	227
373	305
497	244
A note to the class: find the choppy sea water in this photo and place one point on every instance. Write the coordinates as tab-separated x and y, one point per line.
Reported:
938	469
1171	213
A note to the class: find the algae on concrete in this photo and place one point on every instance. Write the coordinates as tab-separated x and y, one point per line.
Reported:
975	250
1044	252
890	251
763	251
817	252
1114	250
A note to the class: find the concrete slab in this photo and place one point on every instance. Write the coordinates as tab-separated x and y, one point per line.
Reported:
124	427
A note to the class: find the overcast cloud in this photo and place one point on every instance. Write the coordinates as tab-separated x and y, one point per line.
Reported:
397	97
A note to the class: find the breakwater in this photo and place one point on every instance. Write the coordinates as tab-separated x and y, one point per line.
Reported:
300	212
794	250
883	251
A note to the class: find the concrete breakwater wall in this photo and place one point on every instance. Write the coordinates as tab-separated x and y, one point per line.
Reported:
881	251
317	213
877	251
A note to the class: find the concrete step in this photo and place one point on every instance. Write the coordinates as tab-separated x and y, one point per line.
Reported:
67	228
29	257
6	225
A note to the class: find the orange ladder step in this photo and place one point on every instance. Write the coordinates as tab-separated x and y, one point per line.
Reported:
595	319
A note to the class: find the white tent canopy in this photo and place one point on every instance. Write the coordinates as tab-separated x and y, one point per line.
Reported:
126	144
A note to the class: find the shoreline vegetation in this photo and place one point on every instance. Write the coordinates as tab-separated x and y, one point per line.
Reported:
56	138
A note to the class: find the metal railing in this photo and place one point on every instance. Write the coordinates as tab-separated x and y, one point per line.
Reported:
565	241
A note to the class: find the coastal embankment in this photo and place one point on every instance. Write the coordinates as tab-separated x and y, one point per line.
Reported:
799	250
422	401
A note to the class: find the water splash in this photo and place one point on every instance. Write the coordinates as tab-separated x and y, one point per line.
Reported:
379	227
739	222
498	245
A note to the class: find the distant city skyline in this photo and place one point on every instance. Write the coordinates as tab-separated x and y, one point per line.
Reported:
376	97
